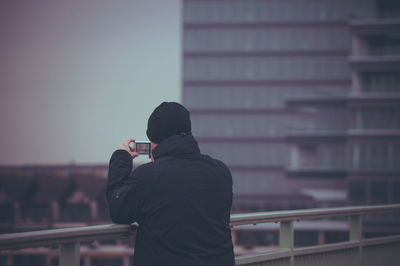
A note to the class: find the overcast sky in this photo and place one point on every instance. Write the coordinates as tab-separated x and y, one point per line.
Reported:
78	77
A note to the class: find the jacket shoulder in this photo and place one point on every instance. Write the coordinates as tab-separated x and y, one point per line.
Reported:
142	174
143	170
220	164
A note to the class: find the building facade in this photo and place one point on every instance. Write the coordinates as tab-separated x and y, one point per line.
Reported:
299	98
373	135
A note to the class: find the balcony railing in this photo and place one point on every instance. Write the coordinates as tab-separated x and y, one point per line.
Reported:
356	251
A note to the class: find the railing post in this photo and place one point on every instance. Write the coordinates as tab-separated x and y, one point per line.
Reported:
9	260
70	254
48	260
94	214
87	261
17	212
355	234
286	237
355	228
125	260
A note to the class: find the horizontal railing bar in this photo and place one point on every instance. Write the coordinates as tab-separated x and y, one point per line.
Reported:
380	240
297	215
281	254
346	245
99	252
112	231
262	257
66	235
326	248
40	243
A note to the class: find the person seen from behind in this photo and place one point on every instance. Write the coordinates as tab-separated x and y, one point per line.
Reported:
181	200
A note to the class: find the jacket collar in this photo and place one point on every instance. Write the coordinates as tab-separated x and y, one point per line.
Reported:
176	145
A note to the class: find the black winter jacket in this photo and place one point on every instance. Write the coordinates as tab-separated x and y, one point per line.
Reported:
181	202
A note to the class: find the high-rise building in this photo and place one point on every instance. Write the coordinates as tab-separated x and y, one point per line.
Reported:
299	98
373	136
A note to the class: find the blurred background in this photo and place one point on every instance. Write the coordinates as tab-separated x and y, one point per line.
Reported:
301	99
80	77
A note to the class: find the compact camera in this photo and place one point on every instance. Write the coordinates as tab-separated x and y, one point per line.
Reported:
142	147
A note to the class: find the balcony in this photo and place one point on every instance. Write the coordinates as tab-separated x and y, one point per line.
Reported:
331	97
374	25
374	96
332	171
356	251
370	95
316	134
373	133
375	62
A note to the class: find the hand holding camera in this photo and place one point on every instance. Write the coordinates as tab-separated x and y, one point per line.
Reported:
138	147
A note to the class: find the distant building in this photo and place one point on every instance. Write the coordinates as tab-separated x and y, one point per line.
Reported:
373	136
272	89
299	98
42	197
59	196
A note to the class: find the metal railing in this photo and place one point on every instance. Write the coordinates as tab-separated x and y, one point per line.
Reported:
356	251
348	253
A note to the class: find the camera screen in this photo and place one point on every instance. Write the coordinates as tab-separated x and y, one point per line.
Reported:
142	148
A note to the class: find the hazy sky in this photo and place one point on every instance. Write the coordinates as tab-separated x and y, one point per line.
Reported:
78	77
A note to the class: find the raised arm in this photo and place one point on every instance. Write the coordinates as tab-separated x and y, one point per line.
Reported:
122	186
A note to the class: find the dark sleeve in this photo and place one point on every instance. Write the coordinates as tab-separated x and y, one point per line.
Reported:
124	195
230	182
226	173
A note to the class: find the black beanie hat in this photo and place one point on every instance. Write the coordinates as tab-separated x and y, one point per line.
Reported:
168	119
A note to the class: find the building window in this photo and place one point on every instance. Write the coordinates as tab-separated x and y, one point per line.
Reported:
308	156
383	45
380	81
378	192
335	237
266	39
388	8
269	67
305	238
396	192
396	156
270	11
374	155
380	118
379	155
249	154
357	192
